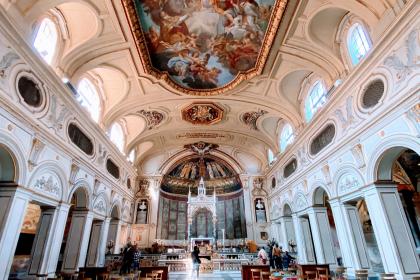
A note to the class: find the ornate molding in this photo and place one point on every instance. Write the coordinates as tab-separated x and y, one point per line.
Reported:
145	45
348	182
250	118
7	61
49	185
36	149
207	113
100	207
346	116
404	67
201	148
153	118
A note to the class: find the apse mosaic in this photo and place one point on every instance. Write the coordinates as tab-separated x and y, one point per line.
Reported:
185	175
204	47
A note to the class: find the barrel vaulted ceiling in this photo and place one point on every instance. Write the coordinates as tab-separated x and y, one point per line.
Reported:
160	115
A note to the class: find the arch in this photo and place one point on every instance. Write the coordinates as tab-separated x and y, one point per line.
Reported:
49	179
8	168
384	154
169	163
11	144
318	196
115	212
82	194
287	209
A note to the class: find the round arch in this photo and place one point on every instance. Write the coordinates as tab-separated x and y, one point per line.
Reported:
8	167
385	153
287	210
115	212
81	193
10	146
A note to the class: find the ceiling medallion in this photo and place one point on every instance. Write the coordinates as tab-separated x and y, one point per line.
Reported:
204	47
250	118
202	113
153	118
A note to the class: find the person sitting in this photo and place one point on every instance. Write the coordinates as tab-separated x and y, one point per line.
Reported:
262	256
287	258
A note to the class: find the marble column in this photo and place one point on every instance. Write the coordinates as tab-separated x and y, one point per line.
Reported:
93	249
305	247
113	234
350	236
153	208
77	240
247	186
102	243
287	231
13	203
47	242
321	235
392	231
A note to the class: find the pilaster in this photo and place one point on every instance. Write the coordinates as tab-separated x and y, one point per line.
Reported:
13	203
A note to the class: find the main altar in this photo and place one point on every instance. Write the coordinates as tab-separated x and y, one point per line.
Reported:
196	204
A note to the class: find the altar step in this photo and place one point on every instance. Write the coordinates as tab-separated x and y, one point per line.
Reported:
228	275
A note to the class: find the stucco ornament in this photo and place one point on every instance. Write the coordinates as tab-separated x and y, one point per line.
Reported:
100	207
347	183
405	64
49	185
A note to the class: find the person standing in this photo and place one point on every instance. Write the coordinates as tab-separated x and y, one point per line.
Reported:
196	261
277	257
136	258
262	256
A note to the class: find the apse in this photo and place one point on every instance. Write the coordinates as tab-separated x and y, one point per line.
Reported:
180	186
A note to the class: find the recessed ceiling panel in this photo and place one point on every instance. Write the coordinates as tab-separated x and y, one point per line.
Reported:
204	47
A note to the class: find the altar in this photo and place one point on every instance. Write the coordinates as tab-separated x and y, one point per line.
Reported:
204	244
202	205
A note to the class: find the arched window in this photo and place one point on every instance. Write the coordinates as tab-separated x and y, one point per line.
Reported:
270	156
315	100
116	135
286	137
46	39
358	43
88	97
132	156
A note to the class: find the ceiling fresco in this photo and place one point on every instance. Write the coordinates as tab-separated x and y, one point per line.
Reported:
186	174
204	47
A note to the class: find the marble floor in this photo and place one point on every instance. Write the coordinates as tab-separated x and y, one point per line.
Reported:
233	275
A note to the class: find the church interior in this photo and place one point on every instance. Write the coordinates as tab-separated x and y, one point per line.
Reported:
210	139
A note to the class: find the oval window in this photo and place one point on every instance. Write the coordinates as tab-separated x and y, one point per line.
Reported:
29	91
